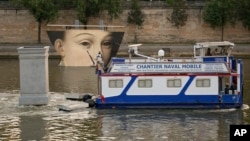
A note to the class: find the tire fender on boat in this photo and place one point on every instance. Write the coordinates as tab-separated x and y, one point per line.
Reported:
86	97
91	103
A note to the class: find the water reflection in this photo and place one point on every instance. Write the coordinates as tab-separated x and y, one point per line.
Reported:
73	127
32	127
124	125
61	79
162	125
42	122
9	128
73	79
9	71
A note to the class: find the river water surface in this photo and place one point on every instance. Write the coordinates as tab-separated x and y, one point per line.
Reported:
47	123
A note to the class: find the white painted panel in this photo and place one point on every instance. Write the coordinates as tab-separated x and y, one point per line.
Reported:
212	90
110	92
159	86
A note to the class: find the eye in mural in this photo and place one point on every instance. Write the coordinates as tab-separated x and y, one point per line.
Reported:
79	47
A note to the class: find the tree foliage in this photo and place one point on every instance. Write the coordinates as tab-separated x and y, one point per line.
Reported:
135	15
114	8
244	12
178	16
217	13
42	10
88	8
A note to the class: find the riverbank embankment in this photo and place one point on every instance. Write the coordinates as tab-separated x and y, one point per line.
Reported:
175	50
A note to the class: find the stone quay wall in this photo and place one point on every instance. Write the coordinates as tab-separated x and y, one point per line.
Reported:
19	26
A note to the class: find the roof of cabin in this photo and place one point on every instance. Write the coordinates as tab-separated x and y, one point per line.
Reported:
214	44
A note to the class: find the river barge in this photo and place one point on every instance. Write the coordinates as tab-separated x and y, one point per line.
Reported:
209	79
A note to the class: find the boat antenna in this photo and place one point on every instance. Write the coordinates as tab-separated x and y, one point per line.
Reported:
91	58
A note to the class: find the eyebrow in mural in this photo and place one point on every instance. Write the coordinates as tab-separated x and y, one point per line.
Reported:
78	46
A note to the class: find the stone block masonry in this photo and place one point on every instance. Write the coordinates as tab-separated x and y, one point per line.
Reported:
21	27
34	79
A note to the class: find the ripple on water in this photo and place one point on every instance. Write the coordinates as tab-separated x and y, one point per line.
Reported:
92	124
59	125
9	106
9	128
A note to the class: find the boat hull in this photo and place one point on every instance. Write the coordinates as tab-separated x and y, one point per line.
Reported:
168	106
171	102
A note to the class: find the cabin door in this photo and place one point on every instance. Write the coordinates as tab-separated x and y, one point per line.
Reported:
220	84
99	85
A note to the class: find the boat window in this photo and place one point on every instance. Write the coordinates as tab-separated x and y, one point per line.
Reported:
116	83
202	82
173	83
208	53
197	51
145	83
216	52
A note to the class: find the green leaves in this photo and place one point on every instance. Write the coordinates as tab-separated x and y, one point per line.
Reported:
114	8
244	13
219	12
135	16
212	14
42	10
179	16
87	8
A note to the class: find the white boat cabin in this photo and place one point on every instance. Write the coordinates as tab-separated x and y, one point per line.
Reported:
204	73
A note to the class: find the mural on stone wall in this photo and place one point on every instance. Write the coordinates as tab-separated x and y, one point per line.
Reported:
80	47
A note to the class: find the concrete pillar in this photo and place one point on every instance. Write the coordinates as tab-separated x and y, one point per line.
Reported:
34	78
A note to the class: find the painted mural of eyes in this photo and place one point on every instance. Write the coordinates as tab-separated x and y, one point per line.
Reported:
86	44
106	44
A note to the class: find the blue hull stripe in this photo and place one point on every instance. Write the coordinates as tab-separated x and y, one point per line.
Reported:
130	83
183	91
171	101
